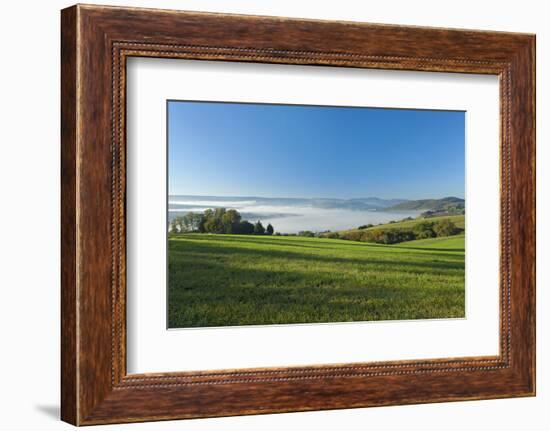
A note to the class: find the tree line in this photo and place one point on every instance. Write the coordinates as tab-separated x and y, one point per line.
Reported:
218	220
422	230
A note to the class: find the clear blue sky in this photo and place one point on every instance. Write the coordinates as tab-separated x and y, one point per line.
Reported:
229	149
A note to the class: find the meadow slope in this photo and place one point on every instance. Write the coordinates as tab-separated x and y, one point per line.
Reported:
231	280
458	221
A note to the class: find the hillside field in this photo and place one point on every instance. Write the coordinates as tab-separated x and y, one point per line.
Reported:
233	280
458	220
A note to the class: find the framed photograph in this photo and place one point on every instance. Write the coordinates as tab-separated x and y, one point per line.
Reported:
267	215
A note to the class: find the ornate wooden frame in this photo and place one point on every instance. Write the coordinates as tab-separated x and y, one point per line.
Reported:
96	41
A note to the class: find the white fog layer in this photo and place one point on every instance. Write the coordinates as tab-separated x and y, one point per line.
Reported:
291	215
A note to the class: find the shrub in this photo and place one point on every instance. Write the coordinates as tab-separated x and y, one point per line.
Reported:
445	228
352	235
385	236
424	230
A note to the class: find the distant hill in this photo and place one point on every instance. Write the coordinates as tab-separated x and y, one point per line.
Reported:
187	202
360	204
432	207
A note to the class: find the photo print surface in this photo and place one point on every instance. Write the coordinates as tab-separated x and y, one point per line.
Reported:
301	214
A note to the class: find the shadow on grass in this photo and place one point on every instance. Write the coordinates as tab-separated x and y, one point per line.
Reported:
326	245
248	239
442	262
457	250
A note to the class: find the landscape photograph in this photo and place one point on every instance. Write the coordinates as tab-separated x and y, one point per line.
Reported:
306	214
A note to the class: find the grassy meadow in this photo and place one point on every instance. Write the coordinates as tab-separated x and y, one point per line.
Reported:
233	280
458	221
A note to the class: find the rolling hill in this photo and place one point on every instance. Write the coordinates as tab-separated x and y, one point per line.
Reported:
458	220
435	205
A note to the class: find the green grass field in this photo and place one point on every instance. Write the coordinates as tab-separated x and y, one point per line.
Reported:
230	280
450	243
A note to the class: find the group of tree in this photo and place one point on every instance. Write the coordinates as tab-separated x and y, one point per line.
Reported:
421	230
218	220
365	226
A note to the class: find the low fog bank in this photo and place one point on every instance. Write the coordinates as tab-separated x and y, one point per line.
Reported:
293	215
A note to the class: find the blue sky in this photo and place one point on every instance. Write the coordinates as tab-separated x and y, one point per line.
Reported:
233	149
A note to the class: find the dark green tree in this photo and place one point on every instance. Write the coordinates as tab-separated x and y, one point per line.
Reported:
245	228
365	226
269	229
231	220
208	214
214	225
259	228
